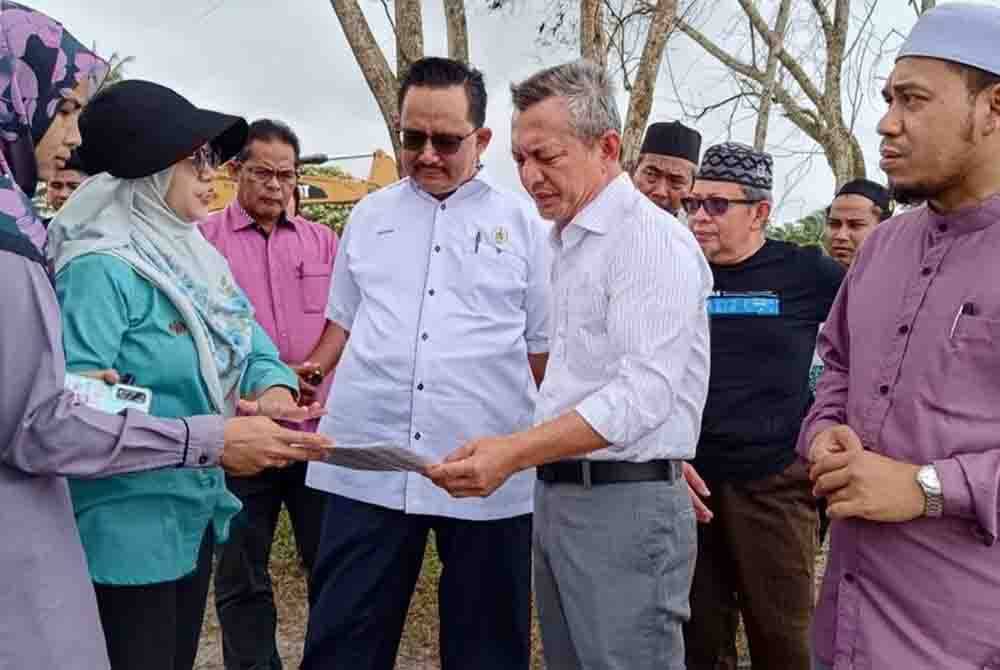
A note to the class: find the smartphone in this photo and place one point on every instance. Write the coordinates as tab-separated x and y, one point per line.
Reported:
112	399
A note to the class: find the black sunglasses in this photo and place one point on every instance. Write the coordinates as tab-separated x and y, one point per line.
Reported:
714	205
443	143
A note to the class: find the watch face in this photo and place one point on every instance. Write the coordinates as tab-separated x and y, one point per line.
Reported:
928	478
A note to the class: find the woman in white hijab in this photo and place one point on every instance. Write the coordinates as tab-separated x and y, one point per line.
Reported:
143	293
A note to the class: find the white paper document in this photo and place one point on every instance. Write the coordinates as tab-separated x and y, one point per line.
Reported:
376	456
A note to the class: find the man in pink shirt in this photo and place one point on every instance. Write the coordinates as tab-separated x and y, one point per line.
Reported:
284	264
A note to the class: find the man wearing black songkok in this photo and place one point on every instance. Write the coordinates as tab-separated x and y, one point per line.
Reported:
668	162
857	208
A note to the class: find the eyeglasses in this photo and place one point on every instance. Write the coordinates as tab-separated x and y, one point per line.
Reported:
443	143
205	158
264	175
714	205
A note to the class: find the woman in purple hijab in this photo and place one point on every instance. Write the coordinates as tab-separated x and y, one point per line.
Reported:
48	613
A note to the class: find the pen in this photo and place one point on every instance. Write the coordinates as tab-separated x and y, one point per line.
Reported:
479	236
966	308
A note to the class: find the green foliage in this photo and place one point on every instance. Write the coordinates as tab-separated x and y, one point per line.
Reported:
806	232
334	216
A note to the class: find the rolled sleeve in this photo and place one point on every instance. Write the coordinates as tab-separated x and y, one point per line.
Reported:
657	297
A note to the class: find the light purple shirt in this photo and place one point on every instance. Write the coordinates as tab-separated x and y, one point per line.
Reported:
286	276
48	613
918	378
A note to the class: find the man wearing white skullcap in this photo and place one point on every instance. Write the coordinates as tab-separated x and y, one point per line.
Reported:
904	436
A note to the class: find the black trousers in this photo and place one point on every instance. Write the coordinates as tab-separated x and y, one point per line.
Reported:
366	570
156	626
244	598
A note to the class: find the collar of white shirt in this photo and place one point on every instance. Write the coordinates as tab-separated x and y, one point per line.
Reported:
595	217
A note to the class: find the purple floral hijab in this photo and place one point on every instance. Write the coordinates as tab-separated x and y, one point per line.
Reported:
40	64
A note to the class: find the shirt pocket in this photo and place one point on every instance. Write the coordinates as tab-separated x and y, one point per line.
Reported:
314	281
971	361
493	280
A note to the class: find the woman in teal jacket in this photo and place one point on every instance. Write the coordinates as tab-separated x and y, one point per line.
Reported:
144	294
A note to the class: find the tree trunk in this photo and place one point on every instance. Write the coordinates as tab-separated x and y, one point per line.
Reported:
776	42
458	31
374	67
641	101
409	35
592	46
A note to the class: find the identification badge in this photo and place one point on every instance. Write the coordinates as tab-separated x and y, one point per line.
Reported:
749	303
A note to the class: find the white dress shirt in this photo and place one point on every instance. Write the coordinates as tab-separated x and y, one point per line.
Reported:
444	300
630	331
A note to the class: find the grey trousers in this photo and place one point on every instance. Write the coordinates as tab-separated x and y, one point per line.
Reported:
613	568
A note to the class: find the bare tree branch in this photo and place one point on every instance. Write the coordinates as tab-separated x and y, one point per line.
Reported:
641	100
776	43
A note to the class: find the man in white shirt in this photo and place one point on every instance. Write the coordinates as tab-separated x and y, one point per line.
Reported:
620	407
439	301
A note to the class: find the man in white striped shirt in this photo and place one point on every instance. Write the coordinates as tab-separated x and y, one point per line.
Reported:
621	403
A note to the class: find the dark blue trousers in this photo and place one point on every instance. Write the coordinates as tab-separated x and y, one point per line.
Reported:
367	567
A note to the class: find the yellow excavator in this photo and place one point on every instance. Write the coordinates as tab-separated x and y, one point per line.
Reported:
326	189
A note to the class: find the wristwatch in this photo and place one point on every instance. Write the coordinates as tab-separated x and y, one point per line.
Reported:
930	484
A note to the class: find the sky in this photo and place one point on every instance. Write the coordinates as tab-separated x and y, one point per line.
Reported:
290	60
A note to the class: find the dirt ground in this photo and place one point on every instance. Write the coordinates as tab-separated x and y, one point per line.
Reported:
419	647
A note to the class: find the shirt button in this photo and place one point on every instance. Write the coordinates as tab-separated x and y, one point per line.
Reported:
903	330
926	271
942	228
202	459
416	436
883	389
437	248
424	336
444	206
420	387
849	578
431	292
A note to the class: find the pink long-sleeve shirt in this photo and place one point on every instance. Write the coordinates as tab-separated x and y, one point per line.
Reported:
286	276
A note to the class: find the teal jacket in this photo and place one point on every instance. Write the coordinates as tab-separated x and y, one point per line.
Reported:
146	528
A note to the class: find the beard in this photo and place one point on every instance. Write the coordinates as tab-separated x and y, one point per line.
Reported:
920	192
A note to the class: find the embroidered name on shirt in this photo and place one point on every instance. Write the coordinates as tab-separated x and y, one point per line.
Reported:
385	231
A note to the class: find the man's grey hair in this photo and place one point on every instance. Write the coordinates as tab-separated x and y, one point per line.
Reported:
754	193
589	94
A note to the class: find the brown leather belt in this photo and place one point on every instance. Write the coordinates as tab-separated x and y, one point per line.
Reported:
589	473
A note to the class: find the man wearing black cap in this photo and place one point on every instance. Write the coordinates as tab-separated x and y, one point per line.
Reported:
756	555
66	180
859	206
668	161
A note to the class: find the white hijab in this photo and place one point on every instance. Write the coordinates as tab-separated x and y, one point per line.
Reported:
130	219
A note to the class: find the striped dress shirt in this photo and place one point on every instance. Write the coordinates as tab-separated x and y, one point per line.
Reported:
629	329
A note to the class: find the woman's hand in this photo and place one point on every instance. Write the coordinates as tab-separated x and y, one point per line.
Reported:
254	443
279	404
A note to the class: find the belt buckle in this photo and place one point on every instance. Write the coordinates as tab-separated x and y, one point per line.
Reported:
585	471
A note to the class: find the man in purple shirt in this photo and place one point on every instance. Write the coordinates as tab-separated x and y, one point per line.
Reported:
283	263
904	437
